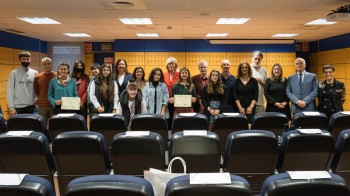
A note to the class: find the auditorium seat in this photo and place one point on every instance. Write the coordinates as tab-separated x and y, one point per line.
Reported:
341	160
223	125
109	185
180	186
3	124
27	122
251	154
200	152
283	185
131	155
30	186
189	122
305	120
79	153
338	123
303	152
26	154
60	124
270	121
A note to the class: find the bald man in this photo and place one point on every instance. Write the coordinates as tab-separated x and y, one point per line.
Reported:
230	82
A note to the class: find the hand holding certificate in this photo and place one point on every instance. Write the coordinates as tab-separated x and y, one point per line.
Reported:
70	103
182	101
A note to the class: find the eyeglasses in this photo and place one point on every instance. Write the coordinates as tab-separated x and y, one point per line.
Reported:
202	67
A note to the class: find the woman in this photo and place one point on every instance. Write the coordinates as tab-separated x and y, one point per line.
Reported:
214	96
82	80
156	94
121	74
247	90
103	92
171	76
139	76
95	70
62	86
275	92
131	103
331	93
183	86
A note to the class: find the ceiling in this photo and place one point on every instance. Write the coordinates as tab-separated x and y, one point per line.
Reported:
172	19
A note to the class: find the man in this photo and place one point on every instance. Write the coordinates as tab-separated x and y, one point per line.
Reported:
41	86
230	82
260	74
20	88
302	88
199	82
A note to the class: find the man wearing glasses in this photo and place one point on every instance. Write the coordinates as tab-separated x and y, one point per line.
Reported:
200	81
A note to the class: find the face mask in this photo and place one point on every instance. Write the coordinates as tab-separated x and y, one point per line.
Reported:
25	64
78	69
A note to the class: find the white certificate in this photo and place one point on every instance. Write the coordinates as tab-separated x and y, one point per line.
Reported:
182	101
70	103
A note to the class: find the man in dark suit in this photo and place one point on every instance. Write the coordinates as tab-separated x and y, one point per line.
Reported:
200	81
302	88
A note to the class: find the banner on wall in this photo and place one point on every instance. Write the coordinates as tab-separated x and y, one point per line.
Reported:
88	48
108	60
106	47
305	47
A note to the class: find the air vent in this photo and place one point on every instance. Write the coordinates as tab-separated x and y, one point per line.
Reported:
122	4
14	31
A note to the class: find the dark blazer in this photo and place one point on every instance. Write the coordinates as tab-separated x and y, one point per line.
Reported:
122	86
338	93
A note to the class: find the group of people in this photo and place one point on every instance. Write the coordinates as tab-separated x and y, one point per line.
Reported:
116	90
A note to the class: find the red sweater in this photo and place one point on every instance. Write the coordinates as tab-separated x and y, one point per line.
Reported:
172	83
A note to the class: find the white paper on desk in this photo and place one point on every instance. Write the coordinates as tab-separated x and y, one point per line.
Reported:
210	178
65	115
195	132
19	133
70	103
187	114
345	112
106	114
230	114
300	175
11	179
182	100
310	131
136	133
311	113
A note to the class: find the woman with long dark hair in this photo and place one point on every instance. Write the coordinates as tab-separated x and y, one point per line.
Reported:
121	74
82	80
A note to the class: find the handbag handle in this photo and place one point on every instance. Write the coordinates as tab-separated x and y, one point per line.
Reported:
171	164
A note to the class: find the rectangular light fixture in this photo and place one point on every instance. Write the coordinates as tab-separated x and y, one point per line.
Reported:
252	41
136	21
38	20
285	35
232	20
216	35
147	34
320	21
77	34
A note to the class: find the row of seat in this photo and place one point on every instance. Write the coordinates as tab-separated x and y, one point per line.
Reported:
108	185
253	154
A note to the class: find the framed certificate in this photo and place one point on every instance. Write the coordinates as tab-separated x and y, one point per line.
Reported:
182	101
70	103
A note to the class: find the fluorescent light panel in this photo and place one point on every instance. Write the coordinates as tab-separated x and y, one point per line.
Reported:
38	20
252	41
320	21
232	20
147	34
136	21
285	35
216	35
77	34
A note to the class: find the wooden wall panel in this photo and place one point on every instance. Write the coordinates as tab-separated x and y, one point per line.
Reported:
6	56
283	58
3	88
5	71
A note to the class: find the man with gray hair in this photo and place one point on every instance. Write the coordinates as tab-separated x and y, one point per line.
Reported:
200	81
41	86
260	74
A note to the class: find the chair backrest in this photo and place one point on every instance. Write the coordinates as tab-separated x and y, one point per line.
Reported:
303	152
283	185
184	122
251	154
151	122
200	152
21	122
3	124
223	125
109	185
59	124
338	123
108	126
180	186
26	154
270	121
341	160
30	186
79	153
133	155
305	121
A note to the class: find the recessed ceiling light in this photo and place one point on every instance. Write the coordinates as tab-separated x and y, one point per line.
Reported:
38	20
320	21
285	35
232	20
147	34
136	20
77	34
216	35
